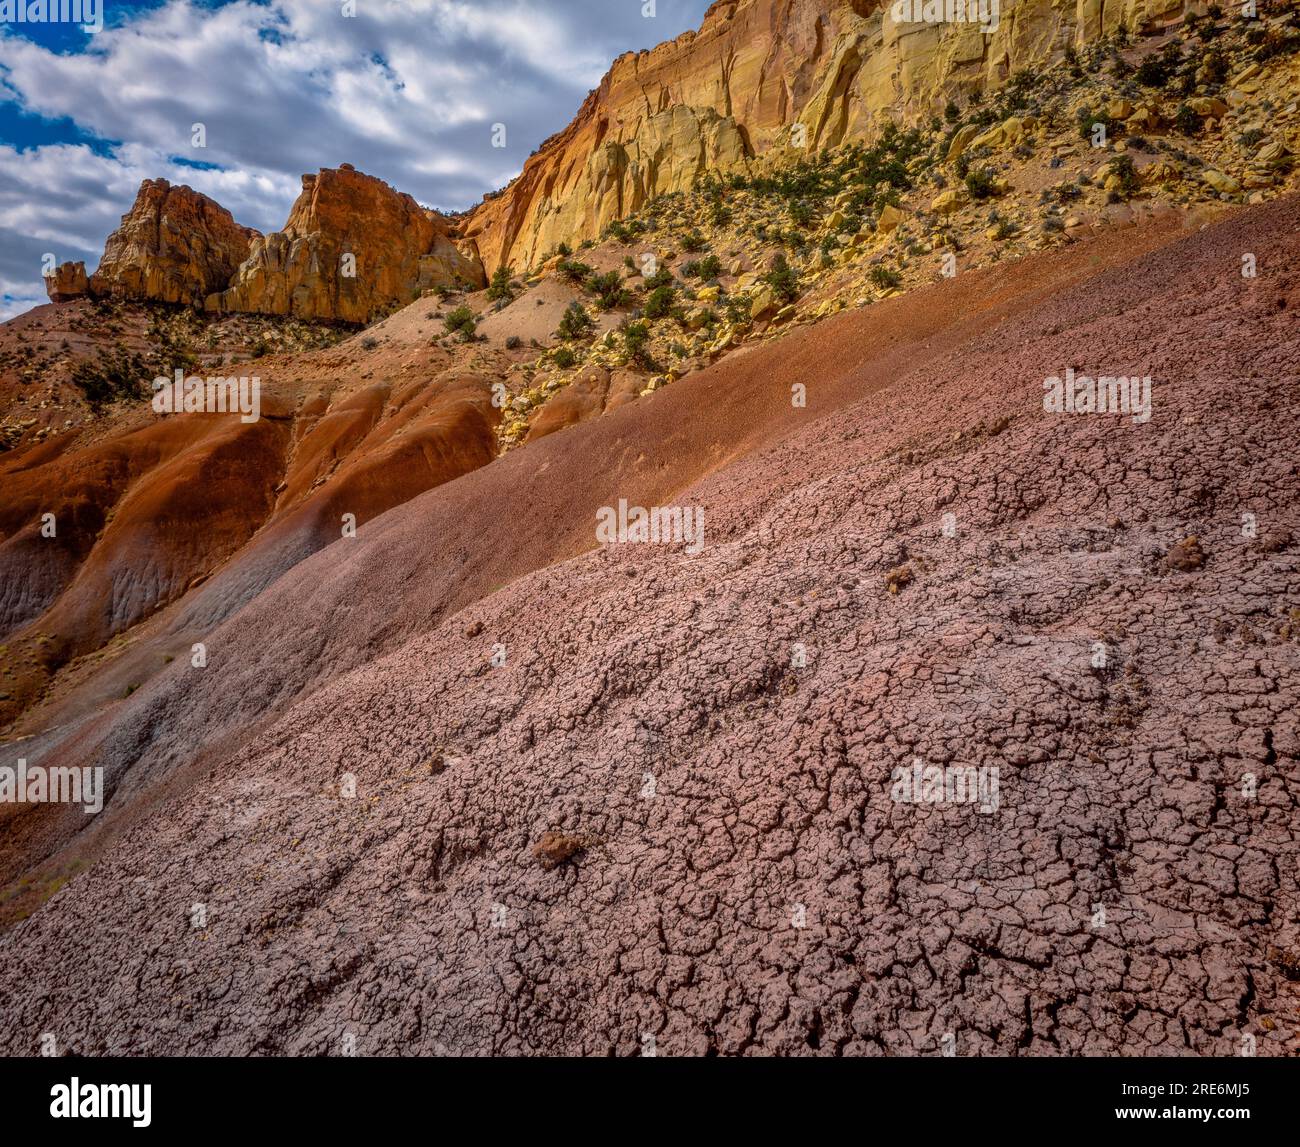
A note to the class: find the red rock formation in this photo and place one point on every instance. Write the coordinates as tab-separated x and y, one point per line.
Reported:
68	282
353	249
174	246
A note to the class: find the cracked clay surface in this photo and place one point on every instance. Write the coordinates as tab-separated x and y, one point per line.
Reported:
711	741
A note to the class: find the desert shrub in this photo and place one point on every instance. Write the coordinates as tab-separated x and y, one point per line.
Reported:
1003	228
575	323
1217	64
514	342
693	241
1122	168
636	342
980	183
1019	90
661	278
1250	139
574	271
500	288
710	267
461	322
1186	121
1088	120
853	221
802	215
783	279
115	374
1207	31
1159	68
609	291
660	302
565	358
884	278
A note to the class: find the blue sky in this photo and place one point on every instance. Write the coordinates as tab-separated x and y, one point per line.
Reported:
407	90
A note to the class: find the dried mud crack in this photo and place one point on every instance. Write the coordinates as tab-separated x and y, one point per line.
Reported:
1083	610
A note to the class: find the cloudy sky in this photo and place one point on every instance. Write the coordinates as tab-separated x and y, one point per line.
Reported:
408	90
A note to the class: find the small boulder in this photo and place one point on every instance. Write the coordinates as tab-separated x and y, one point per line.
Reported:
555	848
1208	107
961	141
947	202
762	302
1185	556
1162	171
1222	183
890	218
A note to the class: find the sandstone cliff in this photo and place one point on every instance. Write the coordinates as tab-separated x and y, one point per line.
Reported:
737	87
67	282
352	249
173	246
759	76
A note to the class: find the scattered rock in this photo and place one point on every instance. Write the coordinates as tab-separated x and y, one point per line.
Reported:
762	302
890	218
1185	556
555	848
899	578
1208	107
948	202
1221	182
961	141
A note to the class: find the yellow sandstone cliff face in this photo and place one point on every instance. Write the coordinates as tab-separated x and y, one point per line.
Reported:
174	246
758	76
353	248
765	74
67	282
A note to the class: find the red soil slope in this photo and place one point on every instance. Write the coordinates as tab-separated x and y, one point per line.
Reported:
736	877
